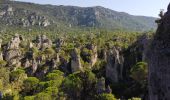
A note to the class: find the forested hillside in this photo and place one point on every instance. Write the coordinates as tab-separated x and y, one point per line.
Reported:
29	14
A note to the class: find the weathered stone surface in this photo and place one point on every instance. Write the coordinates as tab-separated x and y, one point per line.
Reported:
1	56
34	66
42	42
159	61
59	43
114	66
27	64
14	43
100	86
135	53
75	61
12	52
93	55
9	10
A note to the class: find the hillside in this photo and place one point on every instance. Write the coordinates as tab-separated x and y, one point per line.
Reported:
29	14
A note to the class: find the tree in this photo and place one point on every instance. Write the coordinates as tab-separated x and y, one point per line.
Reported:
30	84
139	72
72	86
43	96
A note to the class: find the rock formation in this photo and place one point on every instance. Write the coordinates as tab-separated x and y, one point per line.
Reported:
34	66
42	42
159	61
100	86
93	55
12	52
135	53
114	66
75	61
16	16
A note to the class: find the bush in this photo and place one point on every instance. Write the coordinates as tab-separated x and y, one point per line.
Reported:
17	74
43	96
139	72
30	84
55	75
106	96
29	98
72	85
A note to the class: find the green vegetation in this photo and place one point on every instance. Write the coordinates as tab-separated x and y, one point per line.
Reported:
45	73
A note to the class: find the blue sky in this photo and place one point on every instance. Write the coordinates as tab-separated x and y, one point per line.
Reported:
134	7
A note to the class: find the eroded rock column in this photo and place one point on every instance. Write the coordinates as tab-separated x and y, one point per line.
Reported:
159	61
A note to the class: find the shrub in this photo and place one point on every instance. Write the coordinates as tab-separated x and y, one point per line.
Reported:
43	96
139	72
106	96
30	84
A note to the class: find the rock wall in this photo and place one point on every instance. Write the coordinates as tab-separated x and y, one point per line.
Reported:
159	61
114	66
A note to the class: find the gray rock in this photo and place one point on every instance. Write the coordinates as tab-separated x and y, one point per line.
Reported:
12	53
34	66
159	61
27	63
94	55
14	43
100	86
42	42
75	61
114	66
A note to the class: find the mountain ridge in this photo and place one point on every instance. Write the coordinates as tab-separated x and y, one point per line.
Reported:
70	16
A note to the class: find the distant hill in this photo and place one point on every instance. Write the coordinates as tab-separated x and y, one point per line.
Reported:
29	14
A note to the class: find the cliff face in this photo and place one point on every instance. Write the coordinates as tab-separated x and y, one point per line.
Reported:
159	63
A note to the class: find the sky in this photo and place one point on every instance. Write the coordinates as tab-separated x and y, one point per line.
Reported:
134	7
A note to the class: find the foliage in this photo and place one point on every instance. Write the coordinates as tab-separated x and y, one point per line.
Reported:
43	96
105	96
30	84
139	72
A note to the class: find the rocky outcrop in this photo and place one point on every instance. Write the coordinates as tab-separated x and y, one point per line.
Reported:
7	11
35	19
158	61
101	86
59	42
75	61
135	53
42	42
34	66
114	66
94	55
26	18
14	43
12	52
